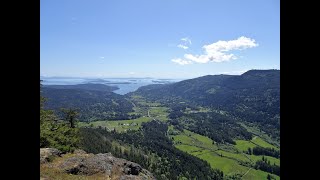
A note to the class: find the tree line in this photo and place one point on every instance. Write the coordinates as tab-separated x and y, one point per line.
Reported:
265	165
264	151
55	132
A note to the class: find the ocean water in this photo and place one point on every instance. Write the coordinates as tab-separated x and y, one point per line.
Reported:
125	85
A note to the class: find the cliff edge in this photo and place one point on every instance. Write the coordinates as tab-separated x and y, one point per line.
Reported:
82	165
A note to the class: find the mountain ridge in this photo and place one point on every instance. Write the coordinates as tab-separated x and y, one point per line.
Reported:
253	96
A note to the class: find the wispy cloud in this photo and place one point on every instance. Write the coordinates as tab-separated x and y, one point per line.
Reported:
181	61
217	52
186	39
101	59
185	43
182	46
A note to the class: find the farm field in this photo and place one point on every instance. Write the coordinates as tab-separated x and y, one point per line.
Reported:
148	110
232	161
120	125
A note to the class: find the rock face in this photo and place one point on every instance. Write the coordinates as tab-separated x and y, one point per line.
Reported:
82	163
46	154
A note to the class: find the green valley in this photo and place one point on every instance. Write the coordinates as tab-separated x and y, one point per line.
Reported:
192	124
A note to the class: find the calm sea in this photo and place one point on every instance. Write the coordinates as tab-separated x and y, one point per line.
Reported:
125	85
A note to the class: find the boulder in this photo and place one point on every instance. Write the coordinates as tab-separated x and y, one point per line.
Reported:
132	168
47	154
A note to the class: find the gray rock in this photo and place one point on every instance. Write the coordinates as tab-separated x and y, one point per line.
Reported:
47	154
129	177
79	151
81	163
99	163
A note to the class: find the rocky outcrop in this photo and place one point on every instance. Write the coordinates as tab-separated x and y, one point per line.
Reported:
84	164
47	154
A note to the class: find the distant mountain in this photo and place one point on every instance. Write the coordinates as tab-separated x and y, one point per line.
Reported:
253	96
88	86
93	101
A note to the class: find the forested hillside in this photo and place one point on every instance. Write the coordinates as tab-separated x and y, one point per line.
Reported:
252	97
151	148
92	101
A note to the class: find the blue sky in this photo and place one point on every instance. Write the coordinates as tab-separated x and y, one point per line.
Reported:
158	38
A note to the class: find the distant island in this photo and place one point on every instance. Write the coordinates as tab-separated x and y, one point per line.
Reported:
87	86
160	81
118	83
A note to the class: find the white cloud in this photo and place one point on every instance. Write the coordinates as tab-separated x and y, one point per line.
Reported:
181	61
224	46
217	52
101	57
185	43
186	39
131	73
182	46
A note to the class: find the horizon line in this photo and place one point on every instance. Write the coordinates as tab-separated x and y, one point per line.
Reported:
148	77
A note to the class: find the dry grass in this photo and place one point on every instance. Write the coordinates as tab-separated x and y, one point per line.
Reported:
49	173
116	172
